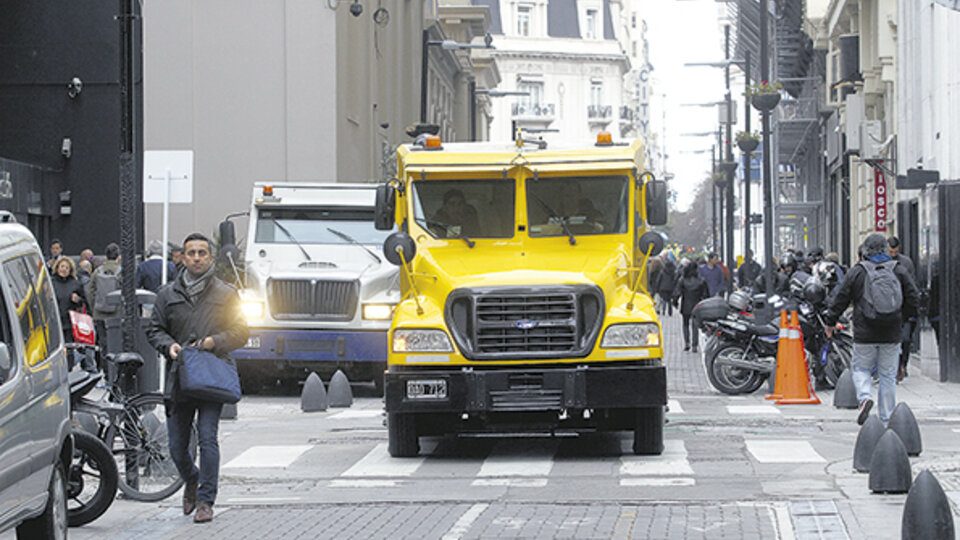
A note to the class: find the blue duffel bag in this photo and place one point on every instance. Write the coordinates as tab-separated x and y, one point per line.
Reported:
206	377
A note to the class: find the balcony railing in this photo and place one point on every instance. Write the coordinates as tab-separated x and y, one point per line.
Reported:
626	114
537	110
599	112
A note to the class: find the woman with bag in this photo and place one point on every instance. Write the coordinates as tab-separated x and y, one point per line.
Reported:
69	292
196	314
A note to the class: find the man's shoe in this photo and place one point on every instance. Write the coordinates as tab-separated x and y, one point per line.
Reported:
190	498
693	350
864	413
686	348
204	513
901	373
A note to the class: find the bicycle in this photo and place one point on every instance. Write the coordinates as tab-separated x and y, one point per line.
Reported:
133	427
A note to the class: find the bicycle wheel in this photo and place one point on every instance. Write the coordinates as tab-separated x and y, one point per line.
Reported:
139	443
92	480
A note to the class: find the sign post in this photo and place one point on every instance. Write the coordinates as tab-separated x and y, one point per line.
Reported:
167	178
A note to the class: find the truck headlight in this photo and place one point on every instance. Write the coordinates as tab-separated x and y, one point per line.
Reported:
631	335
378	312
421	340
253	309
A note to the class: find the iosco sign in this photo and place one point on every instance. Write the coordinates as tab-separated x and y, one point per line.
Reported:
879	200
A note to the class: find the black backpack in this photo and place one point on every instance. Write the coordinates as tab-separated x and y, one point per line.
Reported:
882	293
107	282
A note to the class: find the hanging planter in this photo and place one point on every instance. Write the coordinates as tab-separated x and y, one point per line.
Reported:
764	96
727	167
720	180
747	142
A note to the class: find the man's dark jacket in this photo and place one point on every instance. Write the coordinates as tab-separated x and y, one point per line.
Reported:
150	272
217	313
851	290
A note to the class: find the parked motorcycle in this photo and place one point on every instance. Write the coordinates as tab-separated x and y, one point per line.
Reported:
93	477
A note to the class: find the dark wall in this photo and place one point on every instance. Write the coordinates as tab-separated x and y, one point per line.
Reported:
43	45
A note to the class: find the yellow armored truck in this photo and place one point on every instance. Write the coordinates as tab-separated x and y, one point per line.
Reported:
524	306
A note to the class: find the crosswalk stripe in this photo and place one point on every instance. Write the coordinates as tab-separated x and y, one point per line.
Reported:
359	413
652	481
378	462
257	457
752	409
674	406
783	451
505	461
672	462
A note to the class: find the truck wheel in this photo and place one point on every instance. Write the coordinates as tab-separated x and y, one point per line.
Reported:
378	383
648	435
402	439
250	382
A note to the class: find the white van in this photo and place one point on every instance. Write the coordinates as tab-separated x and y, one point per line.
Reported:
36	444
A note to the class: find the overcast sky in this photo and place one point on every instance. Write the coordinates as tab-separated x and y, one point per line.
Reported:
681	31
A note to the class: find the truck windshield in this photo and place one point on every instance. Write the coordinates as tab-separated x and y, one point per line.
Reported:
465	208
585	205
310	226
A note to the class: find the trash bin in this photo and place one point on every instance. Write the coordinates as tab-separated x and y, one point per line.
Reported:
148	377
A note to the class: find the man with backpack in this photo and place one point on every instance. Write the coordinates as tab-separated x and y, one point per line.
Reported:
882	293
104	280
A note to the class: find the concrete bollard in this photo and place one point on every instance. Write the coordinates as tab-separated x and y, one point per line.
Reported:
845	393
314	395
867	438
229	411
890	467
904	423
340	393
926	513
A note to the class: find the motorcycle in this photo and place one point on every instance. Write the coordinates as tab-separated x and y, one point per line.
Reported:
93	476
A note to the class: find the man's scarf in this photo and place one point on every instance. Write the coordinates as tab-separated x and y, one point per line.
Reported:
195	286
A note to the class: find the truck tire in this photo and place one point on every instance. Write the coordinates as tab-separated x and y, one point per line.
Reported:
648	435
402	438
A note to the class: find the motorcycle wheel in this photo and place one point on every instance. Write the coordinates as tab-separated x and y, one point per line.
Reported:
728	379
838	359
91	481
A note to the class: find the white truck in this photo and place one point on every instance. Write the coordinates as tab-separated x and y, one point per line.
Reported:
319	294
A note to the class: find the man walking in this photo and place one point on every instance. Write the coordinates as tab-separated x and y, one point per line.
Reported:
104	280
906	341
150	271
713	274
202	311
883	293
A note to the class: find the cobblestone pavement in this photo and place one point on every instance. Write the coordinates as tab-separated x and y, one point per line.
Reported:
685	373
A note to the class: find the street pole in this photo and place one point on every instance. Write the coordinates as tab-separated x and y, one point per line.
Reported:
128	192
473	110
767	180
746	165
728	239
424	57
713	197
720	205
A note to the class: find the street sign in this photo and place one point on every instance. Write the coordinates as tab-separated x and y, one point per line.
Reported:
158	165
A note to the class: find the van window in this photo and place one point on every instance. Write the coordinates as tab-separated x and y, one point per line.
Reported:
36	308
8	367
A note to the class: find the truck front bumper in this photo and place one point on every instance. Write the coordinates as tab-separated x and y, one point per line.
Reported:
307	346
526	389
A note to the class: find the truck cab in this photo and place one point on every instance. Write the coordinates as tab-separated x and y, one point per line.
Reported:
524	303
319	295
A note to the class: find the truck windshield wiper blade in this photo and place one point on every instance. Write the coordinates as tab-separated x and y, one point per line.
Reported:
553	214
350	239
291	237
446	227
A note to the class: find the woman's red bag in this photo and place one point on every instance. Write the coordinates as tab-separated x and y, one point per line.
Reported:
83	331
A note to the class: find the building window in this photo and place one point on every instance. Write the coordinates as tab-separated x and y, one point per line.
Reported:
534	92
633	20
523	19
596	93
633	49
590	26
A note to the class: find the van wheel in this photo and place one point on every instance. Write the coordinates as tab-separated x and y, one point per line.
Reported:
402	438
648	435
52	523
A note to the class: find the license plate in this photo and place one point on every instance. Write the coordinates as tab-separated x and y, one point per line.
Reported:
427	389
253	342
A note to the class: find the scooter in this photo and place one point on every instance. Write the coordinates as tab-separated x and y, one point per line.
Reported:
93	477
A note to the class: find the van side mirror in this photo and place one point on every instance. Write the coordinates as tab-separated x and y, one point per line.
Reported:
386	206
397	243
5	361
655	195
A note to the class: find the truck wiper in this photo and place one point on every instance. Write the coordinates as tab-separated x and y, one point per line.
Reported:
446	228
291	237
350	239
553	214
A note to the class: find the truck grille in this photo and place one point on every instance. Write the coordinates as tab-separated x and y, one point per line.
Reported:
304	299
525	322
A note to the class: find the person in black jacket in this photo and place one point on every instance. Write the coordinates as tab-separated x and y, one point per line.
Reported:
69	292
909	323
876	342
666	283
150	271
202	311
690	290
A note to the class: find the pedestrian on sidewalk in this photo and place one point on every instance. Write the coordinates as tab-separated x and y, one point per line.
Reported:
666	284
690	290
909	323
712	273
882	293
150	271
202	311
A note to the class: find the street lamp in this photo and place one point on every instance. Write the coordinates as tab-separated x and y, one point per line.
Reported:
447	45
492	92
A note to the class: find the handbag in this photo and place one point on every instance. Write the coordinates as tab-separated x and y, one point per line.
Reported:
205	376
83	331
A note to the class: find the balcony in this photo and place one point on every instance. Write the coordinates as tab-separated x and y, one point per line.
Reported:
599	114
533	114
626	114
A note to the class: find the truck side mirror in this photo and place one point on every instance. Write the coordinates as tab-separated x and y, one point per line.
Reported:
397	243
655	192
651	240
228	241
386	206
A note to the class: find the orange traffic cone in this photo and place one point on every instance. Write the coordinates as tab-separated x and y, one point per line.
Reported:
796	382
782	344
